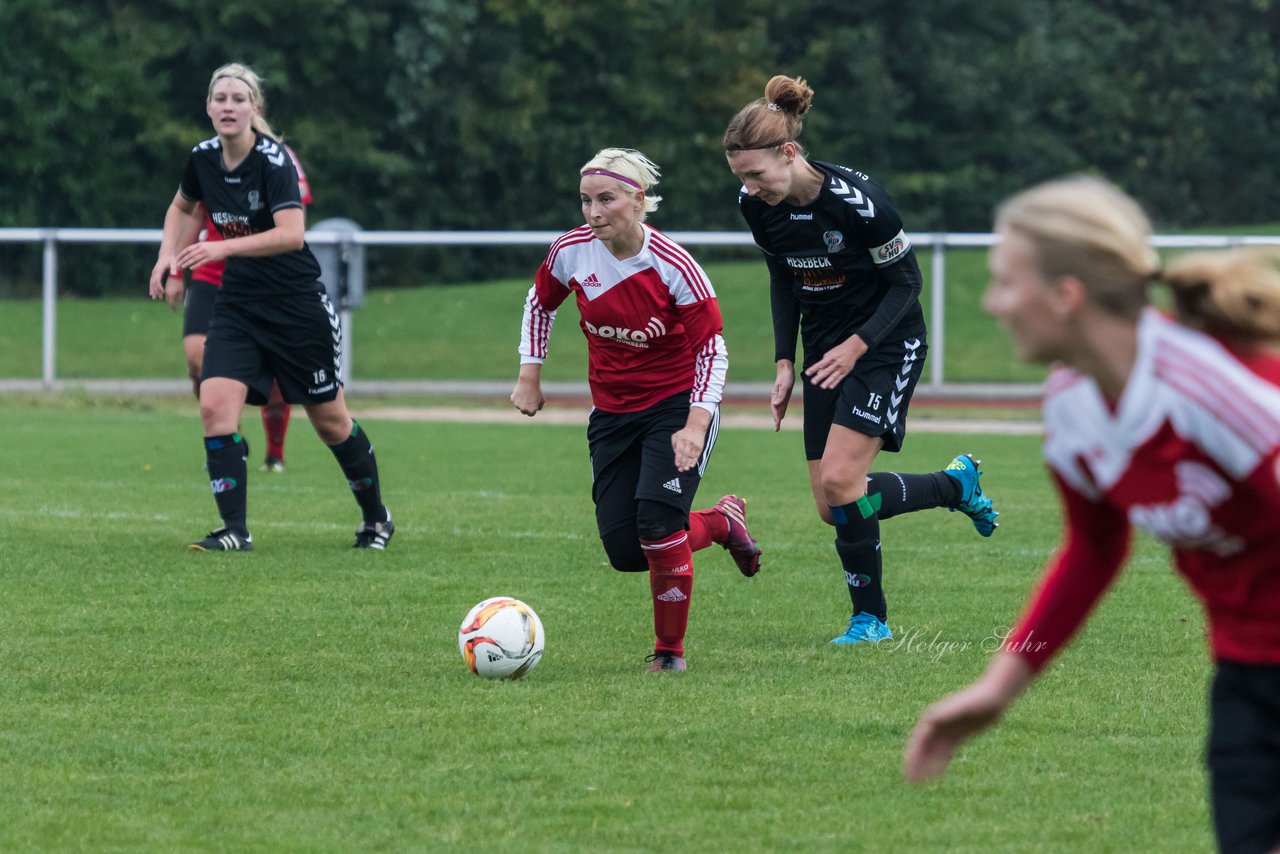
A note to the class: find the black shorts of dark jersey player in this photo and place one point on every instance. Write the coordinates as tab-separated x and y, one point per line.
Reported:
296	340
197	308
1243	756
872	400
632	458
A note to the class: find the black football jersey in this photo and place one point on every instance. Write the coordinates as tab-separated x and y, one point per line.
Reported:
243	201
827	260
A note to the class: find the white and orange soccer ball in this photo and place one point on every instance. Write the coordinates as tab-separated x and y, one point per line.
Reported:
501	638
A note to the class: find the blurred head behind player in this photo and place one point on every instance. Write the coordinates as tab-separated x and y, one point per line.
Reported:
1072	270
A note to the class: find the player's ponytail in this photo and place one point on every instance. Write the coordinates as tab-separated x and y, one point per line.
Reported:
246	75
772	120
1232	294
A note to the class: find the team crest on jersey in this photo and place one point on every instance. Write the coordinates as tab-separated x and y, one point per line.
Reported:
893	248
255	200
834	241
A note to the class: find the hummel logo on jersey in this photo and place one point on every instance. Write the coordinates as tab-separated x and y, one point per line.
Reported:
674	486
799	216
672	595
272	150
853	196
591	282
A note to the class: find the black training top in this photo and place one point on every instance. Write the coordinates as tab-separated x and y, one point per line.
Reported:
243	201
838	266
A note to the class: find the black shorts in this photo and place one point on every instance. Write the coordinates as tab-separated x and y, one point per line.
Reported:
871	400
1244	756
197	307
632	458
295	340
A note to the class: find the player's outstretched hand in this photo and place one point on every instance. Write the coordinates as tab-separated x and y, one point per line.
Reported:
951	721
943	727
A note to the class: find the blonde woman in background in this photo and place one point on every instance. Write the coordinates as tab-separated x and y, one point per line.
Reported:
272	320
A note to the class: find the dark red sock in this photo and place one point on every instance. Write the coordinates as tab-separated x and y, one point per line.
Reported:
707	527
671	583
275	422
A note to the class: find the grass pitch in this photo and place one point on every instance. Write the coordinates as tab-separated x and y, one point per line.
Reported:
308	697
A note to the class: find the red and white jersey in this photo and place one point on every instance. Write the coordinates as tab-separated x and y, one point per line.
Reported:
652	321
1190	454
212	272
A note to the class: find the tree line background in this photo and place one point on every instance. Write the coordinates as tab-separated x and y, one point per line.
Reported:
475	114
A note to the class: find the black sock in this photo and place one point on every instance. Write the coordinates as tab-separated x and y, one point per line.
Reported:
355	455
858	545
229	478
906	493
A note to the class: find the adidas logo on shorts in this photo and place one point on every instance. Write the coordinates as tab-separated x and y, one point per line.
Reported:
674	486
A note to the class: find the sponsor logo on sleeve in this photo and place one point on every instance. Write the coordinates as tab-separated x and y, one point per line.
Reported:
895	248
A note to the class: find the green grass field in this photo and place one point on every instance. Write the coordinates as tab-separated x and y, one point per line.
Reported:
307	697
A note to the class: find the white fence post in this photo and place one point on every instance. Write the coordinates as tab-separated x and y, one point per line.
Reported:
938	314
48	371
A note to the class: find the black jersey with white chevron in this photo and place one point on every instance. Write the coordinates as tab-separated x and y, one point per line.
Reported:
243	201
826	261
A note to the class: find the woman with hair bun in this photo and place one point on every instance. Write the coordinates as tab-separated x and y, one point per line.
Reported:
271	319
656	366
843	274
1171	425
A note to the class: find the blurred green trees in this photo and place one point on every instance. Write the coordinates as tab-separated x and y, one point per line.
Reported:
438	114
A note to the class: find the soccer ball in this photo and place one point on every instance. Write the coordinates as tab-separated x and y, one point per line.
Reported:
501	638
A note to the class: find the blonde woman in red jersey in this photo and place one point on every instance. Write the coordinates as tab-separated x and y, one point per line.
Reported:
1169	425
657	365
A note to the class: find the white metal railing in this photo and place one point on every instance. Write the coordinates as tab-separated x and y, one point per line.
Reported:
938	242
